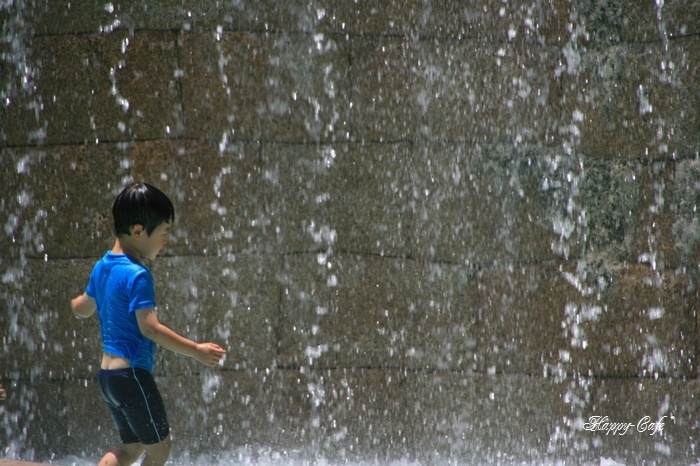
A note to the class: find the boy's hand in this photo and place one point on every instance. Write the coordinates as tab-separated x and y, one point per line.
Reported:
209	354
83	306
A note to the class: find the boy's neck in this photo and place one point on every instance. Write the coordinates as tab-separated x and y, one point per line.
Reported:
122	246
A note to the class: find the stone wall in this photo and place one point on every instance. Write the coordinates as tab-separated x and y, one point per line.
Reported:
433	230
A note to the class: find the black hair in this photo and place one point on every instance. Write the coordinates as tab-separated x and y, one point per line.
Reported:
143	204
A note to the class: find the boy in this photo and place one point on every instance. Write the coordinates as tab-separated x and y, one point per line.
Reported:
121	290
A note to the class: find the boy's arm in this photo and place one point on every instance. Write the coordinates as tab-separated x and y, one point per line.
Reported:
83	306
208	354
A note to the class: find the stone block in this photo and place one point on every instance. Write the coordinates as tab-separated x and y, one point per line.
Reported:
293	16
217	192
385	86
442	415
654	240
521	313
641	325
684	200
345	197
671	401
525	411
643	22
85	419
350	311
491	20
453	90
58	200
628	349
305	190
626	322
254	86
609	195
41	338
305	298
362	414
219	412
335	414
483	205
56	419
85	17
634	100
482	419
324	16
374	199
112	87
228	300
357	414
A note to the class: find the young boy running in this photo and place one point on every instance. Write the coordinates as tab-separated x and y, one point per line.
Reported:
121	290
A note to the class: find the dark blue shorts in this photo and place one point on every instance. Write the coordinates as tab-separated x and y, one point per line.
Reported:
136	405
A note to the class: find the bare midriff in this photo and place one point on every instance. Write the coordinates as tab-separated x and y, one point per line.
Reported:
111	362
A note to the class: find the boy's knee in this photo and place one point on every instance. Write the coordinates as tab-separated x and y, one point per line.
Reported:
158	453
162	447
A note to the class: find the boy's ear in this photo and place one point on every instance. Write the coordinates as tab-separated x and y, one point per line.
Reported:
136	230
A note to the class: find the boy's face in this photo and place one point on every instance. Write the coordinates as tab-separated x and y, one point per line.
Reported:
151	245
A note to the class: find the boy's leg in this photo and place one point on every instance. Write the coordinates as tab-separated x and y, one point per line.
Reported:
127	454
139	414
158	453
123	455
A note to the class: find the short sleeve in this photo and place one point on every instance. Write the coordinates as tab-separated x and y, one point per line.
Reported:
142	295
90	290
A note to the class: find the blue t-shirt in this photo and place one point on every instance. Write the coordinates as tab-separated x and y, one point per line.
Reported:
121	286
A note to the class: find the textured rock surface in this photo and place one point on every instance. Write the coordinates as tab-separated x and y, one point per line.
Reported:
422	230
